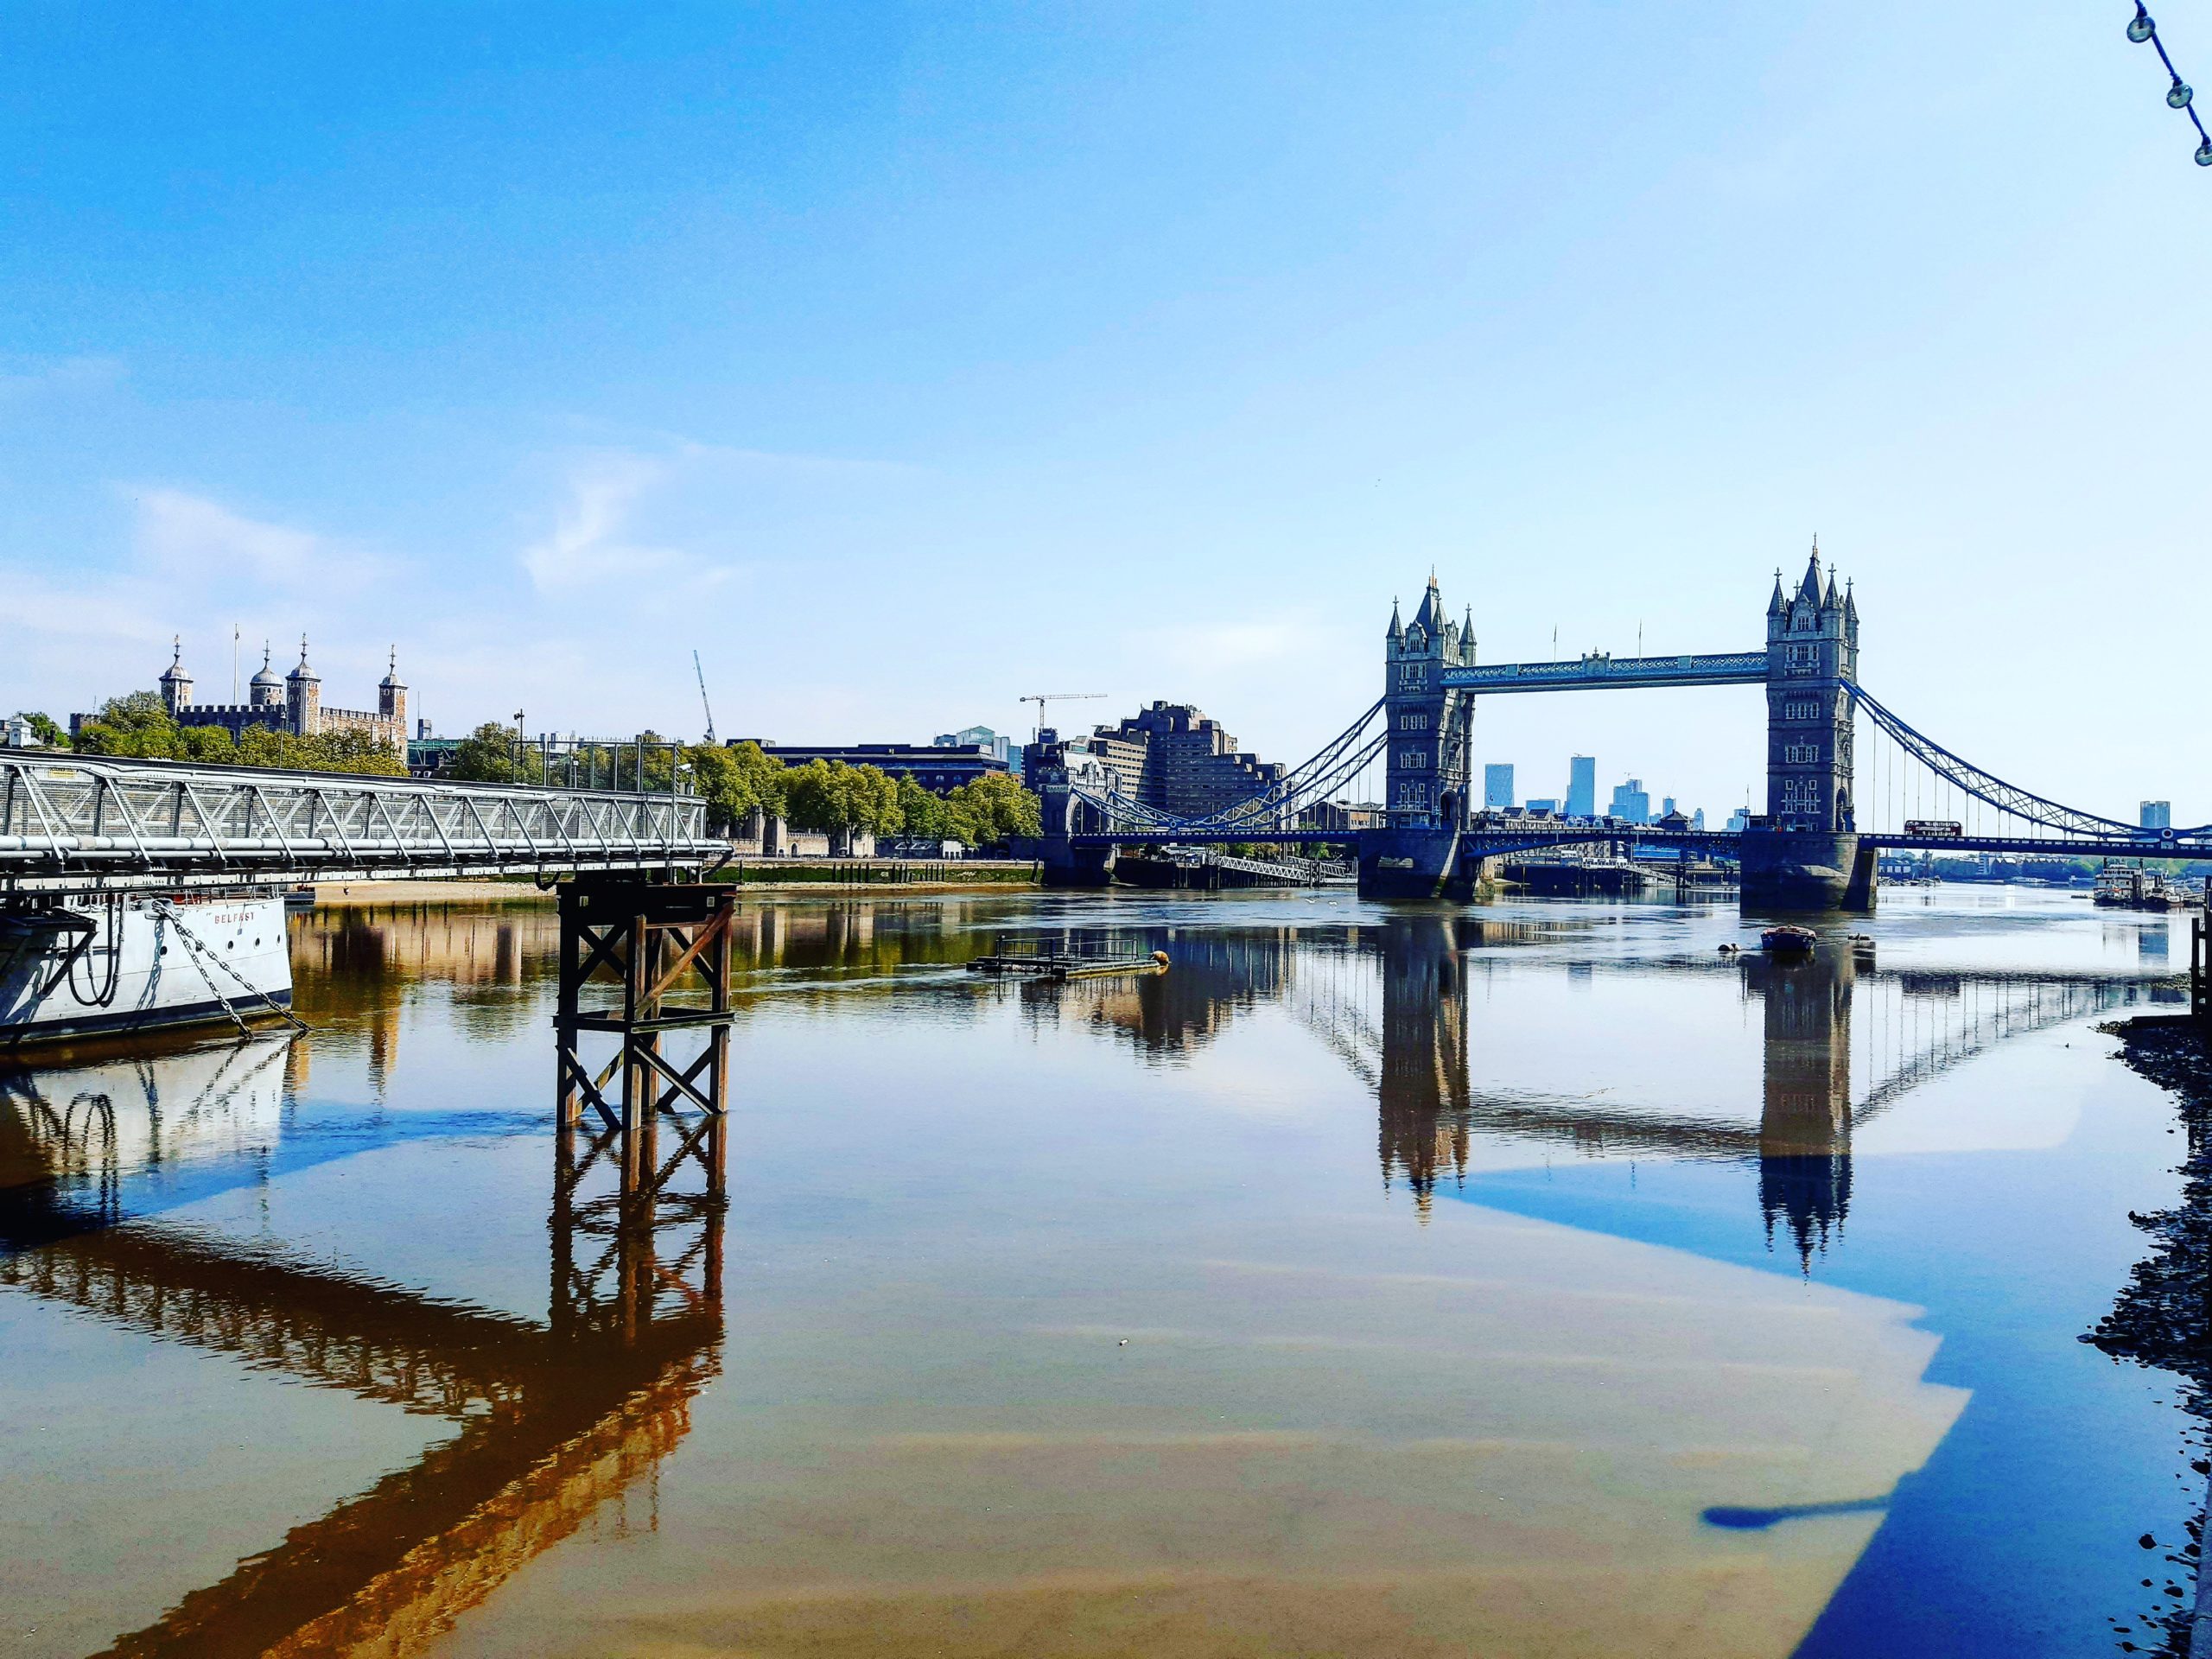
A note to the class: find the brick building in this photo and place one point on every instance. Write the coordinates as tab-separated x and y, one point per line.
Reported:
1169	757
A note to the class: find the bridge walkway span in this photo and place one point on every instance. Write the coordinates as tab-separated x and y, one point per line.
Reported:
81	825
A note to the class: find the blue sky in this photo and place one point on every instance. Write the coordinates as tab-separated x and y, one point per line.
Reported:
904	361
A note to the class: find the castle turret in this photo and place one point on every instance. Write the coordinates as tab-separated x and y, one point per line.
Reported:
304	697
176	684
266	690
391	695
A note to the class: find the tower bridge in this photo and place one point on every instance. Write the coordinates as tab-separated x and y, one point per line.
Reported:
1813	848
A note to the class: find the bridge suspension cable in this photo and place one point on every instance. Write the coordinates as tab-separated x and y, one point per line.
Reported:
2010	799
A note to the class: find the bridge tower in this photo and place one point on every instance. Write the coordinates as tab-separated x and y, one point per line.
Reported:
1805	854
1811	650
1426	776
1426	757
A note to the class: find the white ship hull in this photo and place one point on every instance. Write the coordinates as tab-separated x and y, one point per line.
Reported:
106	967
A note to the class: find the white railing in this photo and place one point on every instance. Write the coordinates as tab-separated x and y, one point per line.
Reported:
70	822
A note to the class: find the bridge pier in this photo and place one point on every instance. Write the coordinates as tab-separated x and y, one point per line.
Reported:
1806	869
1409	862
1063	864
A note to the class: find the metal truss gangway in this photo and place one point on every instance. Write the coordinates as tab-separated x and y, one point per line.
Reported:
79	825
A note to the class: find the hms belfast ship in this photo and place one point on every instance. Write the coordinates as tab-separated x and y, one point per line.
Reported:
141	963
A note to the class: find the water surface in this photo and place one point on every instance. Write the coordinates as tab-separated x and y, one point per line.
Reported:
1529	1279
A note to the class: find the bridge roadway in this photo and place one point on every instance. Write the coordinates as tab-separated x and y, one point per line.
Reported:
1493	841
79	824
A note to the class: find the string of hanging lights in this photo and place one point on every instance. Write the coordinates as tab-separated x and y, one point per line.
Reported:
2178	96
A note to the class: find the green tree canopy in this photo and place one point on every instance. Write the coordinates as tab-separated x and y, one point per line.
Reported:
137	725
829	795
737	781
487	756
924	816
989	808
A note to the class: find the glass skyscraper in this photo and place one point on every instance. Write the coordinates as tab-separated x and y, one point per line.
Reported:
1582	786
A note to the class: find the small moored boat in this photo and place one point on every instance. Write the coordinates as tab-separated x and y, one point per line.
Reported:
1788	938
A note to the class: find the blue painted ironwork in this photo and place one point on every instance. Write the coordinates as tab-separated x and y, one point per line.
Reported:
2024	804
2142	844
1601	671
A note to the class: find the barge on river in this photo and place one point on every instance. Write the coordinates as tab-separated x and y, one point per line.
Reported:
2130	887
141	962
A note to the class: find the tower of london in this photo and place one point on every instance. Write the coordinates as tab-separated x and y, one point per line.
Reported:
292	704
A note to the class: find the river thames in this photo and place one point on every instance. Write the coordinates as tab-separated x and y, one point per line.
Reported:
1528	1278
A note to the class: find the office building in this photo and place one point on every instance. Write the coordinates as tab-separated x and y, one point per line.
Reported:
1631	802
2157	815
977	737
1582	786
1170	757
936	769
1497	785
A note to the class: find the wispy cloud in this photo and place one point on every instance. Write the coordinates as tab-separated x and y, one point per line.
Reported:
77	629
593	542
29	377
178	535
677	515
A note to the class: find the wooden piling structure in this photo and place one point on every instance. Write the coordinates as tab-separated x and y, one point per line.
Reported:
651	1109
668	948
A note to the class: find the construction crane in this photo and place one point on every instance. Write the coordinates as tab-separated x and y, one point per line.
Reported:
703	703
1044	697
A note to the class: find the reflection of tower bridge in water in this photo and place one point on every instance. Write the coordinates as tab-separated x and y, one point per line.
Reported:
1842	1042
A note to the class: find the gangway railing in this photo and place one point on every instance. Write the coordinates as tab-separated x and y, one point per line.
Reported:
76	824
